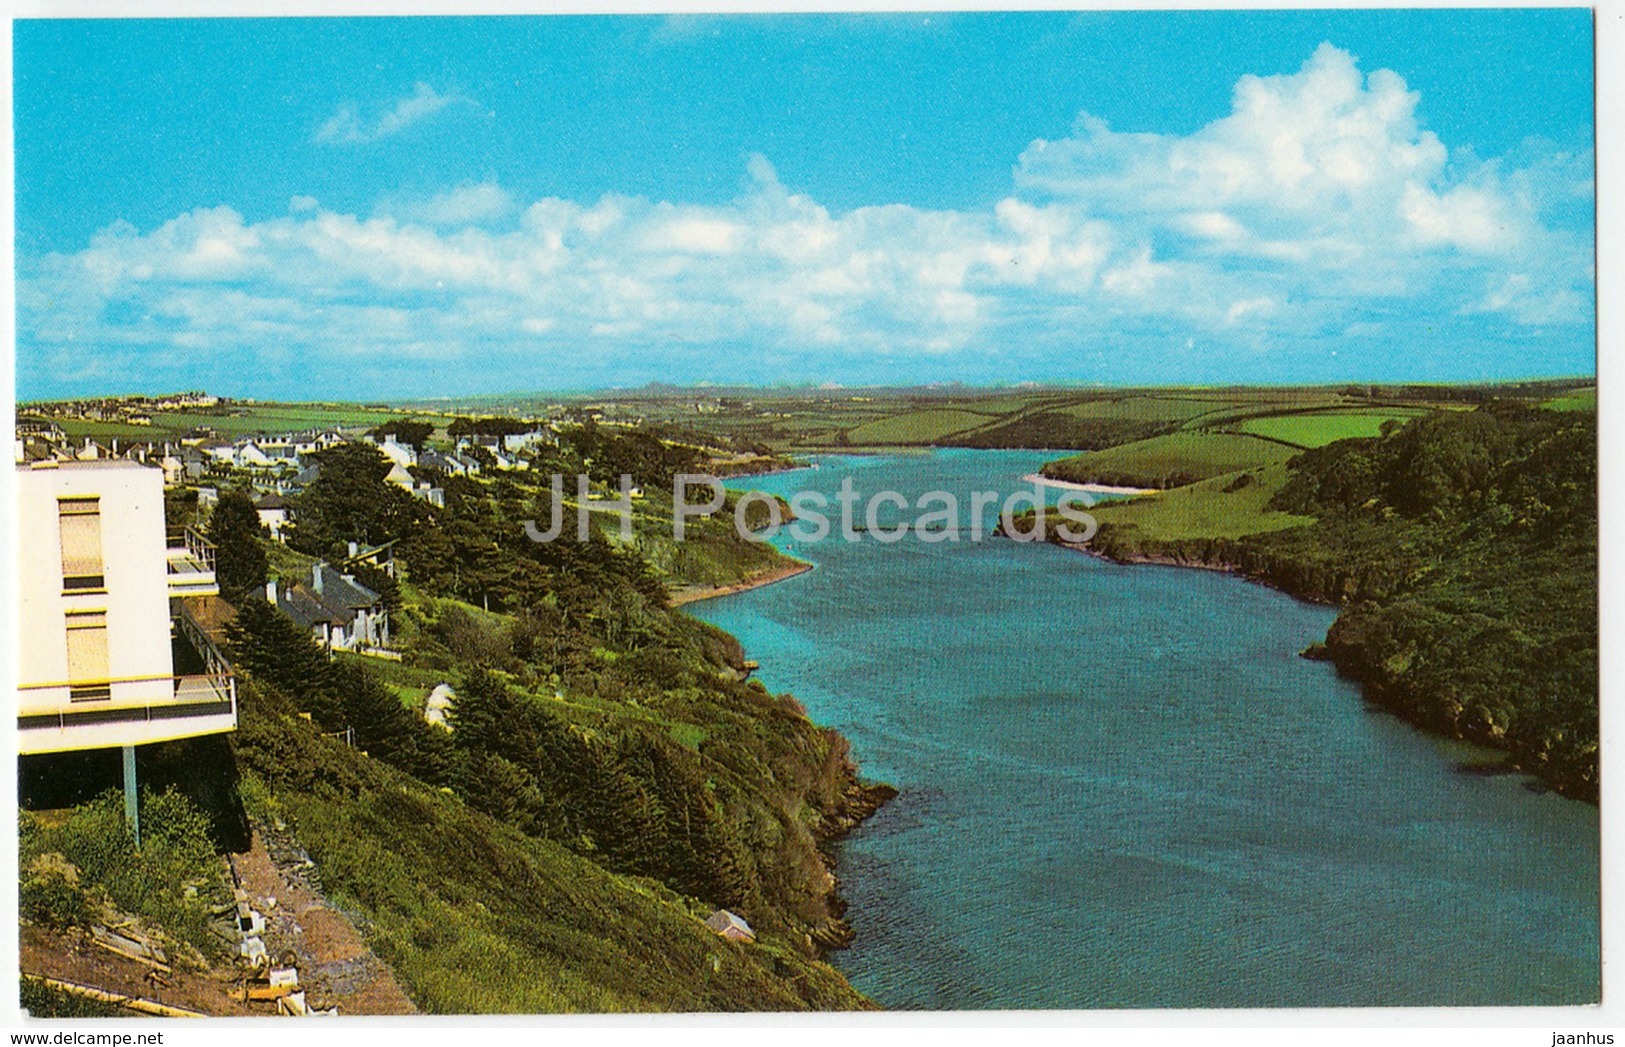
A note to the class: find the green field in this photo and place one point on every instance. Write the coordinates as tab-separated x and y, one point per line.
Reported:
77	429
916	427
1144	408
1318	430
1218	508
242	420
1061	418
410	683
1583	400
1170	461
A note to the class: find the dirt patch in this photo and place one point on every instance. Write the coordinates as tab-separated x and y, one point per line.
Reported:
71	956
336	968
335	965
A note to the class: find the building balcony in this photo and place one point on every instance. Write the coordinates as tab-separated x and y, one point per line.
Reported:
199	699
56	717
190	559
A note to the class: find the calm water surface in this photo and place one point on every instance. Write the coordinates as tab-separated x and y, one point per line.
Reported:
1120	787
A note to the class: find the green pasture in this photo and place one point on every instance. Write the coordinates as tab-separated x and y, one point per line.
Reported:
1172	460
1318	430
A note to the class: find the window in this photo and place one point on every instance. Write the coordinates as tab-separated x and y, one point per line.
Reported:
80	520
87	656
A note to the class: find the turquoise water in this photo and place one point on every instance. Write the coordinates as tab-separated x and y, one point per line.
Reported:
1120	787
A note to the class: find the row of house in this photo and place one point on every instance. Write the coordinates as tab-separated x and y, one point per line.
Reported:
503	451
132	410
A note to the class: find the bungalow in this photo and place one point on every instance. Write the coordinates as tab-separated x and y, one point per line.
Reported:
399	453
503	460
194	464
273	514
447	464
340	612
249	456
522	441
399	477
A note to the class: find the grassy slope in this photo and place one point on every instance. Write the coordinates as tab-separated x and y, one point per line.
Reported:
1212	508
916	427
1172	460
476	917
712	552
1463	550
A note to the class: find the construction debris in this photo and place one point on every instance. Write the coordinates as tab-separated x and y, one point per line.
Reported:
135	945
294	1006
134	1003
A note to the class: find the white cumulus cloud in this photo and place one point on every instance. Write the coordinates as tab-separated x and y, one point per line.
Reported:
1318	208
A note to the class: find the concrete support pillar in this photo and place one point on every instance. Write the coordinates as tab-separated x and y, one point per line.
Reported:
132	805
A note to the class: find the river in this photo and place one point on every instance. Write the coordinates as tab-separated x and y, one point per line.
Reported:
1121	787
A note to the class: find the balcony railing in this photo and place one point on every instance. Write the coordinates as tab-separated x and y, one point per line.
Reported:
198	637
188	543
51	705
137	699
191	563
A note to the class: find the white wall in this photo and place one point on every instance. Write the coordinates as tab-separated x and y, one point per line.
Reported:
136	601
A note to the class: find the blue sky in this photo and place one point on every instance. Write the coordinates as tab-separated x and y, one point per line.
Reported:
359	208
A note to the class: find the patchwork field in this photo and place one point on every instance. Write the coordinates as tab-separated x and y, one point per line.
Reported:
1170	461
1318	430
917	427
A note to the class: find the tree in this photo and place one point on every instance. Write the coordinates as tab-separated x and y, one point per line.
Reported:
239	559
414	434
349	501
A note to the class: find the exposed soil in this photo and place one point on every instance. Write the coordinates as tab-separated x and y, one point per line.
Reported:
71	956
336	968
335	965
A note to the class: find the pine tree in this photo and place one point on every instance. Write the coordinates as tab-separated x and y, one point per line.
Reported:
240	565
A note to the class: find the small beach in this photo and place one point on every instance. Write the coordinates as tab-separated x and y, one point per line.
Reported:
1040	478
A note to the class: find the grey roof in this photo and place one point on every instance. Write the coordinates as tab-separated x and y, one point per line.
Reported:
306	609
434	460
336	604
341	590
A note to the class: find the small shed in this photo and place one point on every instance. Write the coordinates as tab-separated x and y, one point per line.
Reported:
730	926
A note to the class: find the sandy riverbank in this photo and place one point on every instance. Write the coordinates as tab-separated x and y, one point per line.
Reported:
1068	485
768	577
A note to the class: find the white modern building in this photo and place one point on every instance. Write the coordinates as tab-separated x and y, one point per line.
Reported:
102	608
